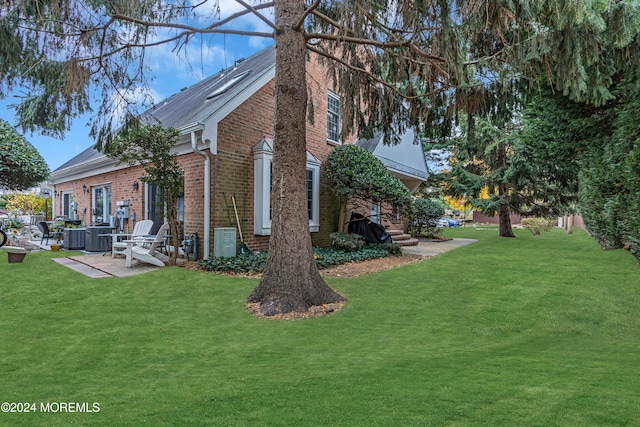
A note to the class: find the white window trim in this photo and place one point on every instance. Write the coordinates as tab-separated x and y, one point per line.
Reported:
262	158
106	206
68	212
329	140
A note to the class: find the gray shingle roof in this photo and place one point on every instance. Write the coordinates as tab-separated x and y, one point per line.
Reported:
85	156
190	105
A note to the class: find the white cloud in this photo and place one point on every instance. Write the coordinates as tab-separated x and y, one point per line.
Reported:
122	99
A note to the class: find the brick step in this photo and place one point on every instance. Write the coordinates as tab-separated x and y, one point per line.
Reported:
407	242
395	232
399	237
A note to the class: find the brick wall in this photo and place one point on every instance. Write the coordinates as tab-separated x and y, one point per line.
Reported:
238	133
231	170
121	182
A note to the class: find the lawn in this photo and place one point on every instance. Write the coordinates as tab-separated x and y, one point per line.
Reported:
532	331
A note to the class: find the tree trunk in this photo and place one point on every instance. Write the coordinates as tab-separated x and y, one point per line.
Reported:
342	215
291	280
174	232
504	212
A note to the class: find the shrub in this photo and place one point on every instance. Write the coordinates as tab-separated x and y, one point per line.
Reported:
424	220
346	241
250	263
536	225
329	257
358	176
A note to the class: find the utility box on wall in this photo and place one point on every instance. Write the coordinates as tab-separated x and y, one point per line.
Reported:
224	242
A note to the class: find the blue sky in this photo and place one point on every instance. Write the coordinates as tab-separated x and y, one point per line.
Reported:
172	72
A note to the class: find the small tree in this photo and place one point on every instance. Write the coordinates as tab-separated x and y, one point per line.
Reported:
149	146
21	166
359	178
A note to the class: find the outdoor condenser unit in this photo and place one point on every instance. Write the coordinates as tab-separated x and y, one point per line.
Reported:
224	242
74	238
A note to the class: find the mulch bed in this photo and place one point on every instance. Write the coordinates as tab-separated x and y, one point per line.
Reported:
353	269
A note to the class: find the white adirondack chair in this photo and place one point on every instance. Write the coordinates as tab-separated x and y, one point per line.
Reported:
140	231
148	254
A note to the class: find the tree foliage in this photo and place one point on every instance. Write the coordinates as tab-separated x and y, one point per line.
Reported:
26	204
358	177
610	172
150	146
21	166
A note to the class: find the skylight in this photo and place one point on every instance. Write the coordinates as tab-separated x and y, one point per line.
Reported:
229	84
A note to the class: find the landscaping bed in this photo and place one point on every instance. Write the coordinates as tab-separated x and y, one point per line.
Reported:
252	264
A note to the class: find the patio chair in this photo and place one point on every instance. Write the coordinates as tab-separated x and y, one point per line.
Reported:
140	230
47	233
149	254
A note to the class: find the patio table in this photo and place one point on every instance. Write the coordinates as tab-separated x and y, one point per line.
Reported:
109	237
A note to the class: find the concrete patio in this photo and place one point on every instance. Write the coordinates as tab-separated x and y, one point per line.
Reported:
97	265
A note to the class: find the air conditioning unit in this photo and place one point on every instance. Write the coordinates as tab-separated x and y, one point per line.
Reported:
224	242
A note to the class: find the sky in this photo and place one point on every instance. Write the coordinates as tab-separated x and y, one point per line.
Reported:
172	72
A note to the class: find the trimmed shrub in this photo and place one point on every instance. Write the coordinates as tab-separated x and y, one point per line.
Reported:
358	176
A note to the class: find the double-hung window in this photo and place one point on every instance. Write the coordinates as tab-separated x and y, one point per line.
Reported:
334	130
262	162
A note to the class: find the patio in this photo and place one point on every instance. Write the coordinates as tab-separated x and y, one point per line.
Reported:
96	265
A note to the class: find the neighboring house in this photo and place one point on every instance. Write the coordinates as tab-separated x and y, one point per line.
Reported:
225	150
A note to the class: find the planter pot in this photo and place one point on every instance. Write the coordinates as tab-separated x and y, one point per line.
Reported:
55	247
15	257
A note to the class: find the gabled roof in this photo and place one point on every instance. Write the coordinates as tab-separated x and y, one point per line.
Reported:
85	156
406	158
195	104
198	102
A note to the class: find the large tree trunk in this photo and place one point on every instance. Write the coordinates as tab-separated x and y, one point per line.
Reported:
504	212
291	280
504	218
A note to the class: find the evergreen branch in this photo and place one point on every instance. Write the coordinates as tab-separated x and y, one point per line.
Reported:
362	71
211	29
375	43
311	9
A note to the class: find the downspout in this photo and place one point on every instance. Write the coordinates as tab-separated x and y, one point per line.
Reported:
207	194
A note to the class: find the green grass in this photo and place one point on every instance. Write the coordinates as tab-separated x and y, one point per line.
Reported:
532	331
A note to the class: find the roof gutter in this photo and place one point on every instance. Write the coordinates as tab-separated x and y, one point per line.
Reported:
207	194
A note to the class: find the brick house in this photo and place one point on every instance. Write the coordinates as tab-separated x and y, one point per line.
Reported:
225	149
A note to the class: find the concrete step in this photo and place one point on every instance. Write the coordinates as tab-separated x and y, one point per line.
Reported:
395	232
